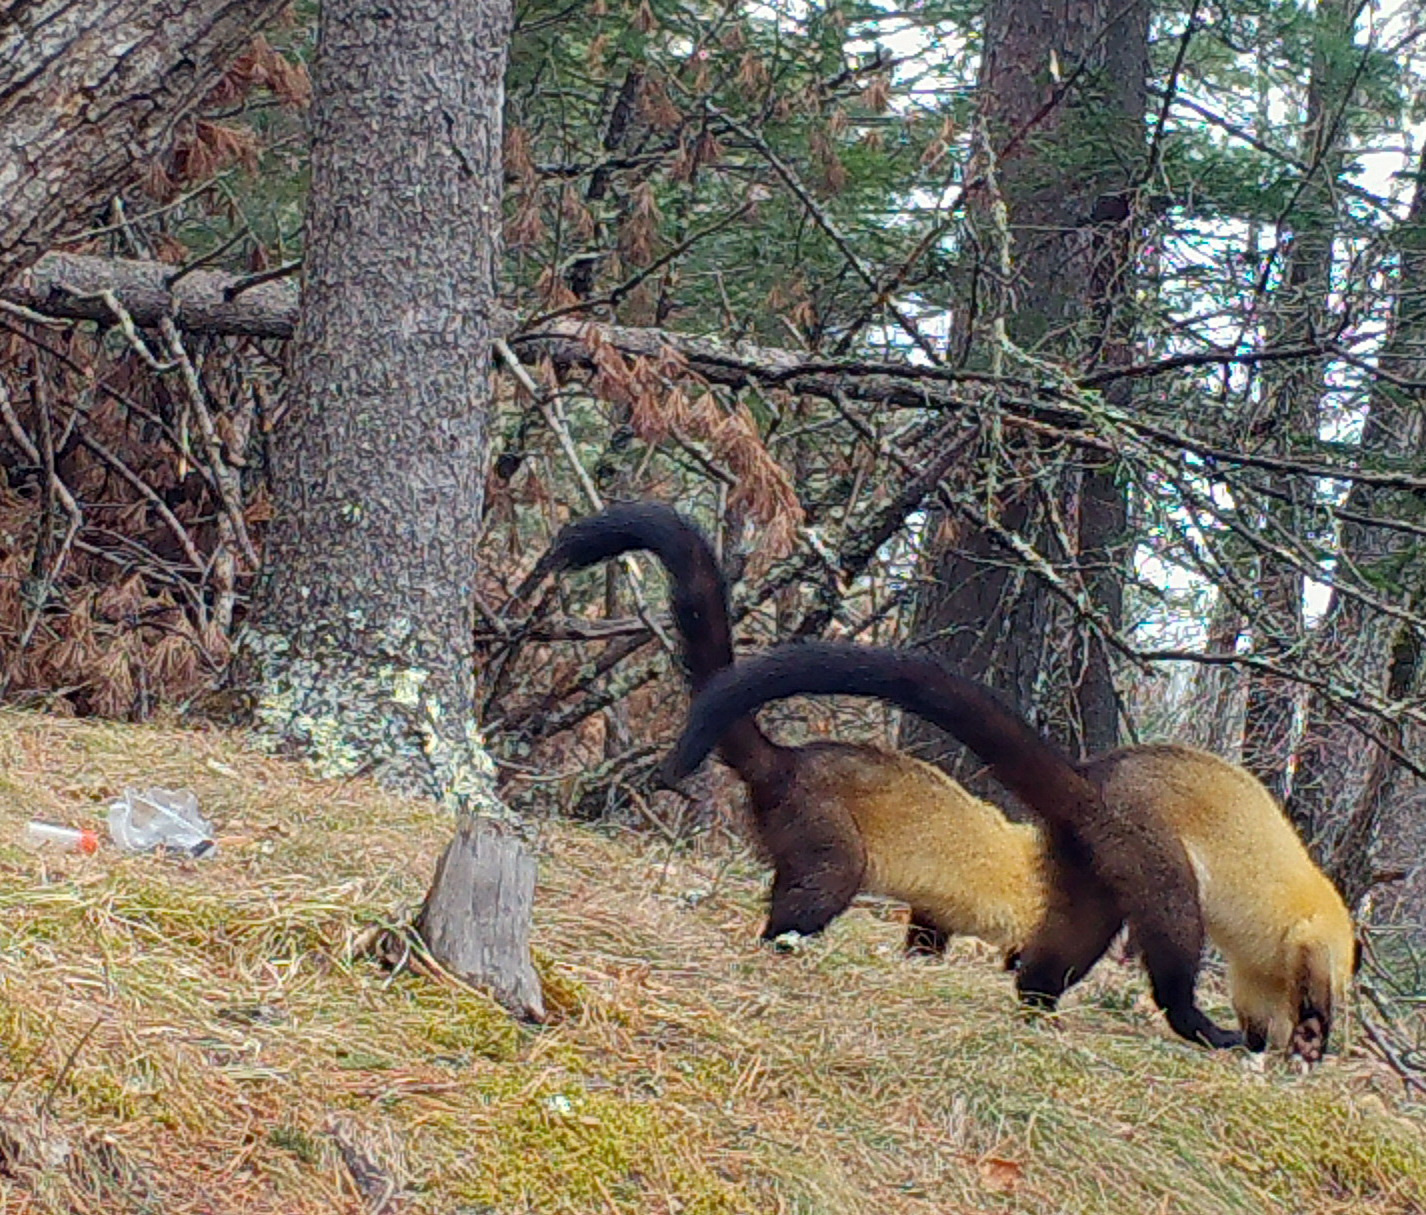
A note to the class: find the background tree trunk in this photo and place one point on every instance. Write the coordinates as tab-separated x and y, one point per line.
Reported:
1072	155
1396	811
1292	397
89	93
359	650
1340	788
1219	692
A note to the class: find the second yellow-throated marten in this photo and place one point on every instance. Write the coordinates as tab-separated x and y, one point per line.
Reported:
1280	923
1058	896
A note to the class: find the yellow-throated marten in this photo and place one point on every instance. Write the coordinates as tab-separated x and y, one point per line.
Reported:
1283	928
837	818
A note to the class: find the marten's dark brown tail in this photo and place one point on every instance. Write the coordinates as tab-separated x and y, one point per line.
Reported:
1025	762
1135	858
699	595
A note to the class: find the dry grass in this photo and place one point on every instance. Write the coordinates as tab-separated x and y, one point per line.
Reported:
206	1037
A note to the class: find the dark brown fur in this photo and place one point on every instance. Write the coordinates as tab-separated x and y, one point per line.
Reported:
1106	865
699	600
818	853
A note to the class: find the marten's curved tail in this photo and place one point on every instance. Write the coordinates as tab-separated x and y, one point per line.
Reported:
1136	858
1022	760
699	594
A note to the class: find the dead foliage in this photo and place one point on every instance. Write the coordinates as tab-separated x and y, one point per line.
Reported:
657	394
111	597
206	146
220	1036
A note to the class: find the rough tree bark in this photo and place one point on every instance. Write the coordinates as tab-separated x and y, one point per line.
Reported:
1070	156
1292	395
1218	693
1396	801
1385	793
359	648
89	93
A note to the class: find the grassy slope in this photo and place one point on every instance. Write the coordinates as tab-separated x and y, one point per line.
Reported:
209	1037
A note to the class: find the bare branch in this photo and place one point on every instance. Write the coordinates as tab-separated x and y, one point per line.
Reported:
574	629
73	286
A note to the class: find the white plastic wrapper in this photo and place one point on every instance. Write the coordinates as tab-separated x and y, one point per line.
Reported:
143	820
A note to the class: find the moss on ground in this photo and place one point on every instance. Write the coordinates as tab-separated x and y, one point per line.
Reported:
218	1036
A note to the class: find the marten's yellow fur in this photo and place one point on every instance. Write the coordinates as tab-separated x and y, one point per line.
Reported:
1280	923
1284	930
836	819
958	861
967	870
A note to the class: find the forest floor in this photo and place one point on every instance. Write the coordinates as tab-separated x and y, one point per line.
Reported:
216	1036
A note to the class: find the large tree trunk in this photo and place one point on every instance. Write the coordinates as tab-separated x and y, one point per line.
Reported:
1385	789
89	93
359	648
1393	803
1063	167
1292	398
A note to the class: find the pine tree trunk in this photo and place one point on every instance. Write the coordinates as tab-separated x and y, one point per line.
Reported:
980	611
1385	785
1393	799
359	650
90	93
1292	400
1337	770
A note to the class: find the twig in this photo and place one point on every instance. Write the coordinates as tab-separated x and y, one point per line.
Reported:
556	424
95	384
1391	711
1170	93
225	476
870	534
614	295
236	288
615	691
1242	133
1408	1075
68	1065
211	256
571	630
823	221
552	419
194	557
672	834
1254	538
130	331
50	576
33	317
611	657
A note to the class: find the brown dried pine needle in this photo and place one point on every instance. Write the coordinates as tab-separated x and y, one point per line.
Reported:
213	1036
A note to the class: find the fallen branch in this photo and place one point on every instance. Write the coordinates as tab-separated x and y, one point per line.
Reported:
73	287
